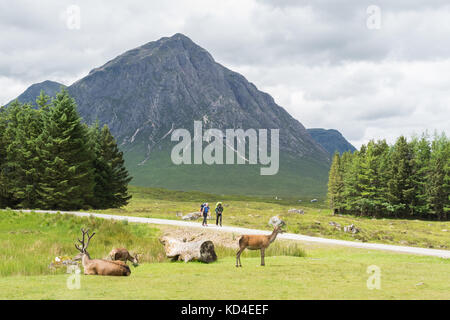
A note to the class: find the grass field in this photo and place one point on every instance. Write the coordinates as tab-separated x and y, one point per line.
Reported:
253	212
296	175
31	240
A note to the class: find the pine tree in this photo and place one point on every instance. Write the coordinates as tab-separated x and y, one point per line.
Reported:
336	184
438	185
400	185
68	181
371	182
111	176
22	156
420	171
352	192
4	195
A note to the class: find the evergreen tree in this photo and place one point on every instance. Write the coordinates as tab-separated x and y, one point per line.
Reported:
336	184
371	182
22	156
4	195
438	185
68	180
420	172
111	177
400	185
351	176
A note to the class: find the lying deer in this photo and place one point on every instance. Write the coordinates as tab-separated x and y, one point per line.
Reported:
122	254
256	242
98	266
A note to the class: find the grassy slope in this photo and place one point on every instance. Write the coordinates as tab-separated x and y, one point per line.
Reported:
325	273
295	176
254	212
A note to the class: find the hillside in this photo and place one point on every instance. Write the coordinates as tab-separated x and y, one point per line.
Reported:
29	95
146	93
331	140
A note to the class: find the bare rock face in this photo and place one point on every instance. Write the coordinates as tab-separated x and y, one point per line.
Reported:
166	84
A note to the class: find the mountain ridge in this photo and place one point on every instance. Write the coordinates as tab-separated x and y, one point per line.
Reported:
331	140
147	92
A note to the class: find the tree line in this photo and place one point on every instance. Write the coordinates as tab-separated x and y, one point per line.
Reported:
49	159
407	179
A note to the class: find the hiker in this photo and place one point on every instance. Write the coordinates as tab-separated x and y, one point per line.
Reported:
205	211
219	210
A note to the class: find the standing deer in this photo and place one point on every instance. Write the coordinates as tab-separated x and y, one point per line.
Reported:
98	266
256	242
122	254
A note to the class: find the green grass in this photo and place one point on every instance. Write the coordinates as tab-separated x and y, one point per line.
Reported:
30	241
255	212
296	176
326	274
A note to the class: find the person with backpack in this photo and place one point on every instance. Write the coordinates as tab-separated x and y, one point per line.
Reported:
205	211
219	210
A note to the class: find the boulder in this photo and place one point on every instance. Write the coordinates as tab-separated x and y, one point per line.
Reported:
351	229
299	211
192	216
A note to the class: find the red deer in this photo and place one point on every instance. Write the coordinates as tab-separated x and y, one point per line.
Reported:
98	266
256	242
122	254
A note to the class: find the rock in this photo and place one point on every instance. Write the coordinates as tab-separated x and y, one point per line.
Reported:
444	230
192	216
314	200
317	222
351	228
299	211
276	221
335	224
179	214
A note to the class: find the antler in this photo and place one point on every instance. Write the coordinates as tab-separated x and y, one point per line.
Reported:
83	245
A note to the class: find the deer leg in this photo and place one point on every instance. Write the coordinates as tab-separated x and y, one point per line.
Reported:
262	257
238	257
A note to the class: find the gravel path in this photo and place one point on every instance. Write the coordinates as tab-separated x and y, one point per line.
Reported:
288	236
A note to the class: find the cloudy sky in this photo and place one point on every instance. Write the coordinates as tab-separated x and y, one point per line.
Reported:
371	69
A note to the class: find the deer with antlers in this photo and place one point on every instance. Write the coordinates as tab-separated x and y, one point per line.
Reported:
257	242
98	266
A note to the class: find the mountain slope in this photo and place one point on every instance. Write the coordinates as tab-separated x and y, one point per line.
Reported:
146	93
331	140
30	94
